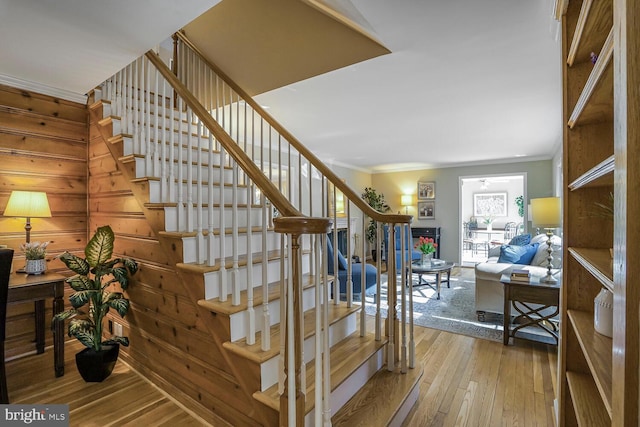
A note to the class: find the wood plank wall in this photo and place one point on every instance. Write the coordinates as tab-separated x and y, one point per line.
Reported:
43	147
170	335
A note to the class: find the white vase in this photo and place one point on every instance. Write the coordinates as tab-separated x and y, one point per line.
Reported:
35	266
489	227
603	313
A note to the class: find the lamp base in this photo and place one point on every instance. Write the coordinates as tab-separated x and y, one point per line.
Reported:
549	279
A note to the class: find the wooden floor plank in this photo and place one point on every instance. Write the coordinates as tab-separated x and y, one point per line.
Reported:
466	381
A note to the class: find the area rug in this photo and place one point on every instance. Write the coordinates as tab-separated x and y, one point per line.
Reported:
453	312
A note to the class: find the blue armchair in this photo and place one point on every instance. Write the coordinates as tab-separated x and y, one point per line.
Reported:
414	254
370	273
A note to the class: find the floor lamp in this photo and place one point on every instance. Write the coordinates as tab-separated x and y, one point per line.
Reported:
546	213
28	204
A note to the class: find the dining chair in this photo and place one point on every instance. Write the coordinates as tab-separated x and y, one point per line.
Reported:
6	257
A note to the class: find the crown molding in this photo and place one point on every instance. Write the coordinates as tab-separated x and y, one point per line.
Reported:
43	89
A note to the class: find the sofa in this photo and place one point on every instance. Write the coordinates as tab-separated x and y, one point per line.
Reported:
522	252
370	274
411	252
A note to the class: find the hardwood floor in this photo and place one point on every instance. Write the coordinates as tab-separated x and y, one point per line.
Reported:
466	382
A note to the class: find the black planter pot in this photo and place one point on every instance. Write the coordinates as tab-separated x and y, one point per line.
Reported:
374	254
96	366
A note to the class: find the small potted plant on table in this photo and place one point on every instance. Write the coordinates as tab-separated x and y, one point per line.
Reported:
377	202
35	253
99	284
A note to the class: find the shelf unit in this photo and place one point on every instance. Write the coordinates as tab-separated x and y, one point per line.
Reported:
599	376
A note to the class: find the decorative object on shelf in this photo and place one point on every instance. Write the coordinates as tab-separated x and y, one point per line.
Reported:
28	204
603	312
377	202
593	57
99	284
35	253
426	190
546	213
427	210
488	221
427	246
406	200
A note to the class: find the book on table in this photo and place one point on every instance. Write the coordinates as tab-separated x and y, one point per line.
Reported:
520	275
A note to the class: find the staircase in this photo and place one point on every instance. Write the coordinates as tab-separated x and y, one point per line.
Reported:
240	211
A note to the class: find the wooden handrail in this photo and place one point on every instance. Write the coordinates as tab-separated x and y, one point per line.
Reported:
266	186
317	163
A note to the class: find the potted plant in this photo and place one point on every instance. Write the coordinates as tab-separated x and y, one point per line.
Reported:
488	221
377	202
427	246
35	253
98	284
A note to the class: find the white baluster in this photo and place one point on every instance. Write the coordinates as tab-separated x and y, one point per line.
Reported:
235	278
164	183
190	148
199	218
266	315
224	287
180	204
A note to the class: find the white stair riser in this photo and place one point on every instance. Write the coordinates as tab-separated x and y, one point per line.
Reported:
345	391
212	280
156	197
141	171
239	321
337	332
171	218
190	244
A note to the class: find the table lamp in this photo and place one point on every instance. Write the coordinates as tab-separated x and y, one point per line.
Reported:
546	213
28	204
406	200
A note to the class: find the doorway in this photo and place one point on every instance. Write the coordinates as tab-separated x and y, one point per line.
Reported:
488	203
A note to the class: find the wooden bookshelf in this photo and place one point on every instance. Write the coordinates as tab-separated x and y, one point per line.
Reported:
598	376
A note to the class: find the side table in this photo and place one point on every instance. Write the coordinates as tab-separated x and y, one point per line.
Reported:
37	288
520	296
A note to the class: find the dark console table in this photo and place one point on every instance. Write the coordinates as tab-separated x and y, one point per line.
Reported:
432	232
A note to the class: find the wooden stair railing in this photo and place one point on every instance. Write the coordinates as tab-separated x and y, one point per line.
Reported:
303	221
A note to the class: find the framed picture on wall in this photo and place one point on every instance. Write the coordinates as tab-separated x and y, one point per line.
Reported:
426	190
427	210
490	204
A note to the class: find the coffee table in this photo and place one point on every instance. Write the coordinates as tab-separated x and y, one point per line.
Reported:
436	267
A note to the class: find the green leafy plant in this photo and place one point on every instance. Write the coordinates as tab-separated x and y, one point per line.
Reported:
520	204
426	245
604	210
377	202
34	250
488	220
96	286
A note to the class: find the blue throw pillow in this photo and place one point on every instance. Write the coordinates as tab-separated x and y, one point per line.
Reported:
521	240
512	254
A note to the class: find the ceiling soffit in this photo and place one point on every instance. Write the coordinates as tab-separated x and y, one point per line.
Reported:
264	45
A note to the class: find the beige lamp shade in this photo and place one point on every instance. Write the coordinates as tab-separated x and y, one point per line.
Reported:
28	204
406	200
546	212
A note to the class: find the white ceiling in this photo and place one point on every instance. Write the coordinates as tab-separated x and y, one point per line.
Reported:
467	81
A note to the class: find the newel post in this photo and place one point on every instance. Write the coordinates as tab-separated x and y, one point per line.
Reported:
291	329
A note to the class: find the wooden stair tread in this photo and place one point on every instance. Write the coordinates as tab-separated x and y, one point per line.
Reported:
216	231
255	353
226	307
346	356
163	205
379	400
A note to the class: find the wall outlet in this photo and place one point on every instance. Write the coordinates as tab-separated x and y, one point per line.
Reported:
117	329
